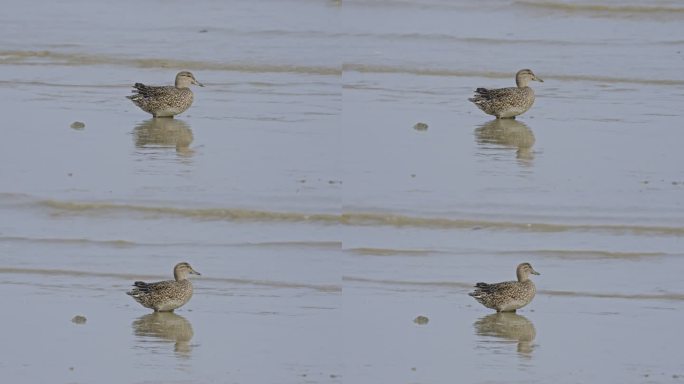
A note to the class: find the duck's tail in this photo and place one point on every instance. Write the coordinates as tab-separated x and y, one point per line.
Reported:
481	95
141	287
480	289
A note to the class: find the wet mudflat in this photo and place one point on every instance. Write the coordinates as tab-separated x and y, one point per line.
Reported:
331	194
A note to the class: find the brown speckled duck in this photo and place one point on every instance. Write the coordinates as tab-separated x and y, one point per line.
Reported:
166	101
507	102
165	296
509	295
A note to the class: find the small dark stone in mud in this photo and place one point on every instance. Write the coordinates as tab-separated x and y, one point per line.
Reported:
420	127
332	375
71	368
78	319
413	175
421	320
203	30
413	369
476	228
77	125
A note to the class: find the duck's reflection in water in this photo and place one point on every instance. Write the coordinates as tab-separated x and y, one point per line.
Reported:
164	133
165	327
508	133
507	327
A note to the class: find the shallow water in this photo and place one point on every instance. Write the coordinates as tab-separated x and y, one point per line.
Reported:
322	220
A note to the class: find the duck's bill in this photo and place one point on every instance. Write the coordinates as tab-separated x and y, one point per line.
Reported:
539	80
195	272
536	273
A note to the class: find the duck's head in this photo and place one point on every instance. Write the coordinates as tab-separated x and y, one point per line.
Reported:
524	76
524	271
184	79
182	270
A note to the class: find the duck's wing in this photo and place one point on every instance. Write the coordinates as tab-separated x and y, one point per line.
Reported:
149	91
482	289
142	287
482	94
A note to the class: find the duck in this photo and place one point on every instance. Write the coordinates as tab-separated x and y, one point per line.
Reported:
165	101
507	103
508	296
168	295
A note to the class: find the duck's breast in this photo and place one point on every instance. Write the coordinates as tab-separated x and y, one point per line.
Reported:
176	297
519	296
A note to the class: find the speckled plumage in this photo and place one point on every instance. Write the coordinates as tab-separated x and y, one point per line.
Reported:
165	101
507	102
509	295
165	296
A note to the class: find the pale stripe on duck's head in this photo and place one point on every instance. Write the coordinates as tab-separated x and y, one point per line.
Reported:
185	78
524	76
182	270
524	270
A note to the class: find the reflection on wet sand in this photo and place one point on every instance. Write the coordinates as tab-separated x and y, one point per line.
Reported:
508	133
164	132
509	327
166	327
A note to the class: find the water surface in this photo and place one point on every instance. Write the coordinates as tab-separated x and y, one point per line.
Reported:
323	223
